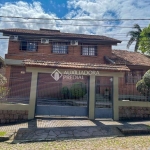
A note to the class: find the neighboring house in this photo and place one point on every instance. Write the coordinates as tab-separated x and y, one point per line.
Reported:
81	61
138	64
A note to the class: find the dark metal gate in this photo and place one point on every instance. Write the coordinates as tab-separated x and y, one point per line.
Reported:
104	97
64	97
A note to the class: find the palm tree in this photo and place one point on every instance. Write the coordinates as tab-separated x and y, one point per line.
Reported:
135	36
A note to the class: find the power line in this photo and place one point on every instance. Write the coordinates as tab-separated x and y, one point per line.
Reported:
70	24
126	19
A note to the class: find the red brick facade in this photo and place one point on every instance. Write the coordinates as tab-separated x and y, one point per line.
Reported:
128	112
44	52
11	116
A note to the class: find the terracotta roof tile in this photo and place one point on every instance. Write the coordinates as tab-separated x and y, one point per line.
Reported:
129	58
47	32
29	62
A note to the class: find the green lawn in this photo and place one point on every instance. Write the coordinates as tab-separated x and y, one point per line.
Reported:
2	133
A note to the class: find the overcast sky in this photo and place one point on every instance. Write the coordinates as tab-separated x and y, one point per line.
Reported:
76	9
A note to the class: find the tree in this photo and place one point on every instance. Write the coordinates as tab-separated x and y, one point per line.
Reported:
144	44
143	86
3	89
134	36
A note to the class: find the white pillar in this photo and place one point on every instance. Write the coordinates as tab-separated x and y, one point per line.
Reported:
115	99
33	90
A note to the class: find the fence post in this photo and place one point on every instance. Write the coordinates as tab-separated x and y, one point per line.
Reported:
33	95
92	97
115	98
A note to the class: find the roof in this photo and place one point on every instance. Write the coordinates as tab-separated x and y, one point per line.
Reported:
48	32
124	57
76	65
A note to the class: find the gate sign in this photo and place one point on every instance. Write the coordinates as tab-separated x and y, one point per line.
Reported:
75	74
56	75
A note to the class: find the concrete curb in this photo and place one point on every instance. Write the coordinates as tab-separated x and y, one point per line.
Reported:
134	129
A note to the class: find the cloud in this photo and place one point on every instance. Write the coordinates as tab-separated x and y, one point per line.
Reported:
111	9
24	9
79	9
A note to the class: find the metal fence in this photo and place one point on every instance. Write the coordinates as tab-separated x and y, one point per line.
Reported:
62	92
127	87
104	92
19	85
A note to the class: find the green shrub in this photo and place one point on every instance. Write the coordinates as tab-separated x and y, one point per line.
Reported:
3	89
143	86
146	78
65	92
77	90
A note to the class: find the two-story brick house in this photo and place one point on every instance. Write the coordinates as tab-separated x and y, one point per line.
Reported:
43	65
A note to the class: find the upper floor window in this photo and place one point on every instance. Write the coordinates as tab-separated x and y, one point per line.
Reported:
60	48
28	46
89	50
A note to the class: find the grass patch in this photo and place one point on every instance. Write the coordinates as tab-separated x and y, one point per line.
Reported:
2	133
148	126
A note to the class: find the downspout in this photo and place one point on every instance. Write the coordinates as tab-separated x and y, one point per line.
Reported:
109	60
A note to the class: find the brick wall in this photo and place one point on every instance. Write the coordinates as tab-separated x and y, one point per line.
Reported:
10	116
13	47
45	53
134	113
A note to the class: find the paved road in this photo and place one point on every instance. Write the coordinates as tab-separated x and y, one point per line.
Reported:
119	143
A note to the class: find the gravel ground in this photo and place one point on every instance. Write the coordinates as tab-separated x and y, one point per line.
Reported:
118	143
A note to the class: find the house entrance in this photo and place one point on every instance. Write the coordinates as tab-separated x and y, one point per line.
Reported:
65	97
104	97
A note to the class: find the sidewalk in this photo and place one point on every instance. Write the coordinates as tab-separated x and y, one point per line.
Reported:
69	128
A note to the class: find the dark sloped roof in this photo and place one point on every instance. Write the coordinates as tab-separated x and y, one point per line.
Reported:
76	65
46	32
124	57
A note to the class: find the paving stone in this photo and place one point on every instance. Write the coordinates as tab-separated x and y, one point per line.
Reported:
43	136
64	135
52	133
57	132
84	134
70	132
97	133
90	130
40	132
51	137
62	132
34	138
30	136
